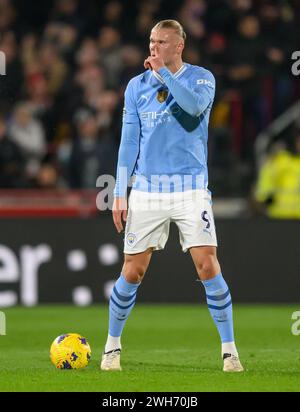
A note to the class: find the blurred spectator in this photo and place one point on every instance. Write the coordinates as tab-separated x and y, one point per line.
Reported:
113	14
63	154
244	74
29	48
45	76
7	16
220	17
28	134
11	161
106	105
278	35
87	54
192	55
109	43
241	7
145	20
53	67
64	37
190	16
47	177
216	56
246	56
91	153
132	60
91	80
11	83
278	185
69	14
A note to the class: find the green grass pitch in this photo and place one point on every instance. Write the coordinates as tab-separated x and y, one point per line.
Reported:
165	348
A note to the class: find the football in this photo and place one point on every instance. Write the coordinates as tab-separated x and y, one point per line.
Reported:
70	351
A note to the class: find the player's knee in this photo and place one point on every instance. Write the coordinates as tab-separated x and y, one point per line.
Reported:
208	267
133	272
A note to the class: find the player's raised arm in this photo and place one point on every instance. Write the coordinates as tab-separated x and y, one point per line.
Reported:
128	153
193	100
196	99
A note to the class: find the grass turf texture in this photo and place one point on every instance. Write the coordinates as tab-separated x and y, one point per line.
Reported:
165	348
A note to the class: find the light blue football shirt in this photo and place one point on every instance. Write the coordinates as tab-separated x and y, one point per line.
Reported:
165	130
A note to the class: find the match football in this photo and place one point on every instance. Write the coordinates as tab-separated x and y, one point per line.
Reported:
149	200
70	351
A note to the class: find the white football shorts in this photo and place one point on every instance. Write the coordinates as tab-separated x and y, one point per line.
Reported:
150	215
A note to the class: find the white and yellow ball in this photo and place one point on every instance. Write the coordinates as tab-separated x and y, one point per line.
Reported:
70	351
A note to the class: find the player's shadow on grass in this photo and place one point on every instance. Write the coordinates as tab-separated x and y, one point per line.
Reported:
168	367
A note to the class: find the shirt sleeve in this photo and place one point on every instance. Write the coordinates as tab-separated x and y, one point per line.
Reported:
196	99
130	114
130	142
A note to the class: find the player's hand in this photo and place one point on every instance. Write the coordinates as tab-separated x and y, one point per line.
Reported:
119	212
155	61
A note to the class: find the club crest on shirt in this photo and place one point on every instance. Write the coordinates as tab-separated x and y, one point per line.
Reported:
162	95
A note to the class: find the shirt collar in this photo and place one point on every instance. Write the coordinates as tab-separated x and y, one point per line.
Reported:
176	75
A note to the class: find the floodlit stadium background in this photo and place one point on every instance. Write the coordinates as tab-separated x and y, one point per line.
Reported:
64	65
67	64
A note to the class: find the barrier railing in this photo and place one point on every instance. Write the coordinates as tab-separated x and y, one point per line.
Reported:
48	203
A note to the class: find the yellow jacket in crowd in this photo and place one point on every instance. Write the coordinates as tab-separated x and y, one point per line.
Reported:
279	185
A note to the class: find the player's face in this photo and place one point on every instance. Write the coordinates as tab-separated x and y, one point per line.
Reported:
168	42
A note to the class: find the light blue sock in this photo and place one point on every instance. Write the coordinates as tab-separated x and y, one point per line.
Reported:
121	302
220	306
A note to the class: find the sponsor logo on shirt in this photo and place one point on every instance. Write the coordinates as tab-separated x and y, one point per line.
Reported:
206	82
152	119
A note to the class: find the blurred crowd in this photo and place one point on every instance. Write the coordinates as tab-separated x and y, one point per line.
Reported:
68	62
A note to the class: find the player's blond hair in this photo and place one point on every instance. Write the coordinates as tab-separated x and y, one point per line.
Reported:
171	24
